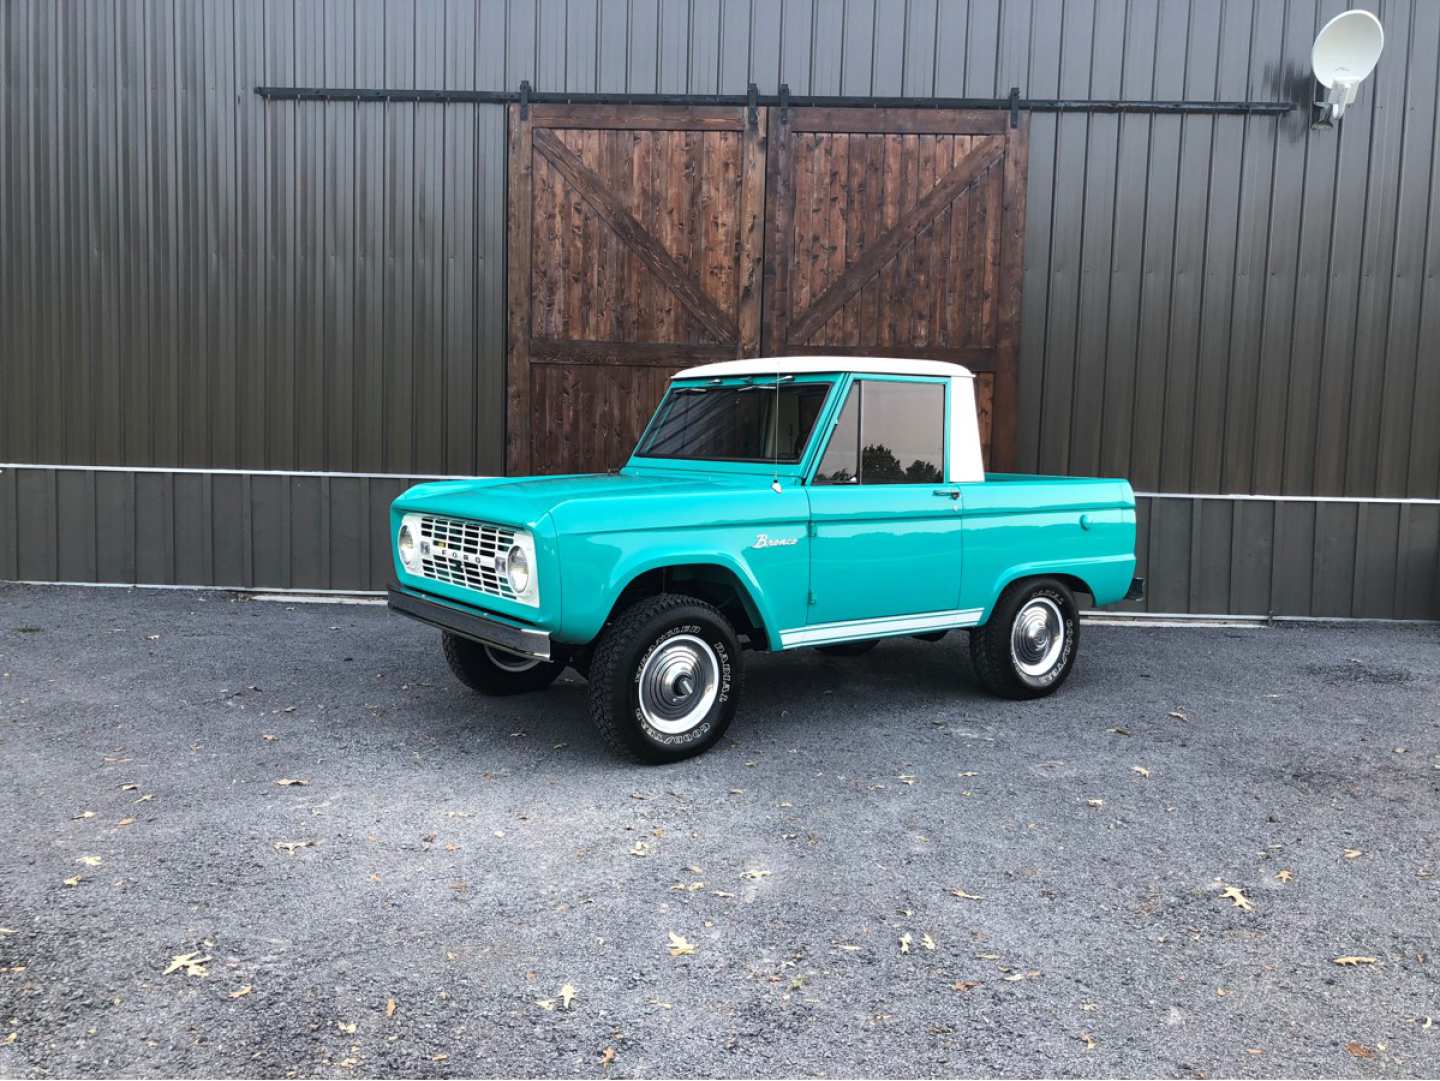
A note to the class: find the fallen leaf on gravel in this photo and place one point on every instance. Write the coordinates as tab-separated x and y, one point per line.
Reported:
965	985
906	778
10	1038
441	1057
567	995
679	947
348	1063
1350	959
90	861
242	992
927	941
289	847
639	848
1353	853
152	638
75	881
721	893
146	798
347	1027
126	821
545	1003
192	964
390	1007
268	738
607	1056
84	814
737	791
1235	896
905	942
687	887
1095	802
1119	731
1179	715
1088	1040
285	782
1359	1050
639	795
956	891
755	873
1140	770
1284	874
128	787
7	930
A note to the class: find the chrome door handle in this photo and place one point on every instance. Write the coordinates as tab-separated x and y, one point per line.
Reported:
953	493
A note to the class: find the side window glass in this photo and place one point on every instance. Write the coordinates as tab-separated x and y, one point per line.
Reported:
841	463
902	433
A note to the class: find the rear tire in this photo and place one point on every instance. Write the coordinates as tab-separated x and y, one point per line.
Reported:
665	679
496	672
1028	647
849	649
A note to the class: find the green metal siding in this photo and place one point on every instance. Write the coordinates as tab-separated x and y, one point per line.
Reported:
195	278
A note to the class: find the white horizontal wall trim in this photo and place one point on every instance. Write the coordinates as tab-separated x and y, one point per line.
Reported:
1244	497
237	472
1234	496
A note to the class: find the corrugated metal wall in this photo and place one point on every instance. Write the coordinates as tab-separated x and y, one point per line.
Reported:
197	279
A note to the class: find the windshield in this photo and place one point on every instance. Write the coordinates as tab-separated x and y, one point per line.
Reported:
737	424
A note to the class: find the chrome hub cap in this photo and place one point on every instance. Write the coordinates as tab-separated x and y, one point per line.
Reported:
509	662
678	684
1038	637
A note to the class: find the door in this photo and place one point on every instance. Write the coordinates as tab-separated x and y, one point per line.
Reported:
885	527
635	236
900	232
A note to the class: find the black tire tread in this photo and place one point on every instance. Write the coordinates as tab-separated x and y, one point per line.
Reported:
605	667
460	656
990	644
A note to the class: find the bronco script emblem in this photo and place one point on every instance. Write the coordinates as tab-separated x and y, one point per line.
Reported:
763	540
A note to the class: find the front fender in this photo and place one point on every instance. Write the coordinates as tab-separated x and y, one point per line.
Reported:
774	578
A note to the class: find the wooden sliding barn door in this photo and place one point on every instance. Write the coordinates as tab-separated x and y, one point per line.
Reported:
900	232
635	236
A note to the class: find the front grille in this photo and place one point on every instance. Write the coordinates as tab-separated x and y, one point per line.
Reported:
462	553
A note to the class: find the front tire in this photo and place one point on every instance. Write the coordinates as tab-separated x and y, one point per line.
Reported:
1028	647
496	672
665	679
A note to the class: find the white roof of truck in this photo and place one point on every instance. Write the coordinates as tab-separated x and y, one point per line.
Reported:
811	365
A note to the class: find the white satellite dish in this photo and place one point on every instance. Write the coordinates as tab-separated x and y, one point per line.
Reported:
1344	54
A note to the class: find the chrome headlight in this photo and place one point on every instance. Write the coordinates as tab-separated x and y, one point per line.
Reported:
406	544
517	570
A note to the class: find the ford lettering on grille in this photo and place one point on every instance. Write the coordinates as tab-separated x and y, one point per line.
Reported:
463	553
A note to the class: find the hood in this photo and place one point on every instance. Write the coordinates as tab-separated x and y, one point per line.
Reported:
523	501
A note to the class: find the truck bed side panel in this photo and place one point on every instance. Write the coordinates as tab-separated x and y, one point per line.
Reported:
1020	526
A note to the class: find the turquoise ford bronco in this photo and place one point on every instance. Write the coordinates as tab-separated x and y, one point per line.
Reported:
778	504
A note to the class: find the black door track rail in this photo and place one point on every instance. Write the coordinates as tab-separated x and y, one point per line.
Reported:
1012	103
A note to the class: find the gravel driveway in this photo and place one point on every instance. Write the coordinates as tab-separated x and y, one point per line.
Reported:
881	871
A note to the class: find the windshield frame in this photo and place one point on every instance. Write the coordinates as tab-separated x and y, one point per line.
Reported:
796	468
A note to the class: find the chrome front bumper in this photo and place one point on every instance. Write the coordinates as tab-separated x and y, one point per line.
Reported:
487	630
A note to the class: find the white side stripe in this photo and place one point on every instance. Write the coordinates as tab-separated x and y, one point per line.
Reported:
849	630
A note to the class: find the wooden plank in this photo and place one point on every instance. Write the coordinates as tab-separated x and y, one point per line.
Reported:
780	217
926	208
751	271
640	117
517	395
671	355
900	121
661	263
